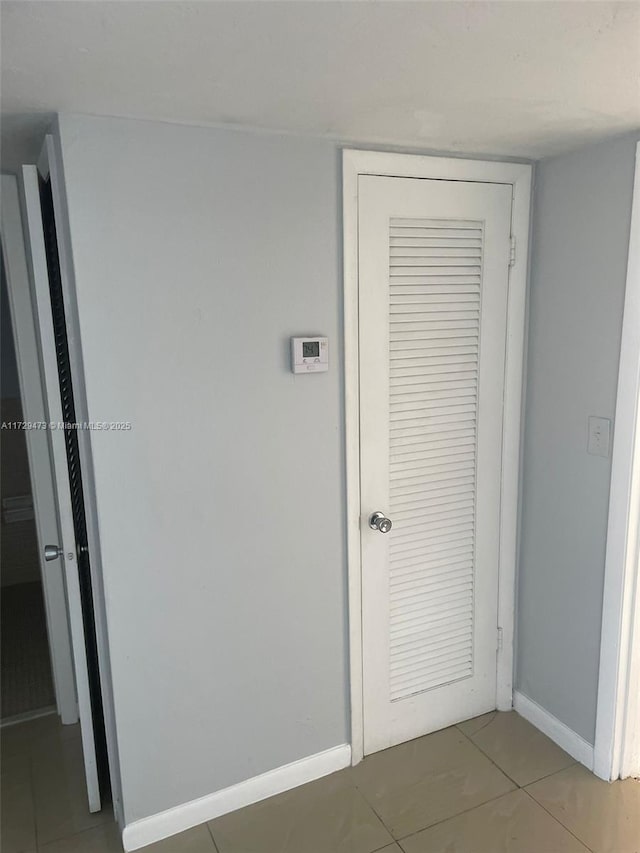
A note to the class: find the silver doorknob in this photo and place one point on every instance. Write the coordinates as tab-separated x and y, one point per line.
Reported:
379	521
52	552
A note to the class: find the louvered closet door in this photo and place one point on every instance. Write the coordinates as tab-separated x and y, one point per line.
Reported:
433	286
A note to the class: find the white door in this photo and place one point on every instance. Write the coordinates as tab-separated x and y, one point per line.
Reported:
433	286
66	541
38	449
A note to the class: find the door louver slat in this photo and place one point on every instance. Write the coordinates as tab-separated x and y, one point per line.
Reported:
459	640
435	274
413	523
418	565
433	582
413	640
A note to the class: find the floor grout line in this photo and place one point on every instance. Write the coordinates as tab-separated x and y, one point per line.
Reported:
489	758
208	825
80	832
559	822
549	775
450	817
518	787
502	770
453	816
384	846
373	809
482	727
32	786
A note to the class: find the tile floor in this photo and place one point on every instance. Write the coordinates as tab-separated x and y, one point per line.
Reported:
25	664
491	785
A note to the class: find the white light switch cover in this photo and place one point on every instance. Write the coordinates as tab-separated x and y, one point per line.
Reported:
599	436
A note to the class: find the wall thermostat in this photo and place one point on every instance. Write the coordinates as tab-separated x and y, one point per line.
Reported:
310	355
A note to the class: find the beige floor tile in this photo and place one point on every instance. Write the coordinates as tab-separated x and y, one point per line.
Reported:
60	791
16	770
101	839
106	839
327	816
196	840
18	826
520	750
471	726
392	848
22	737
512	824
606	817
427	780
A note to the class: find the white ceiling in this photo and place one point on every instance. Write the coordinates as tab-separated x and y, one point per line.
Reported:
528	79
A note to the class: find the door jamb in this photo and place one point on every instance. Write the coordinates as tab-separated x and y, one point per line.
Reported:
519	175
38	450
617	739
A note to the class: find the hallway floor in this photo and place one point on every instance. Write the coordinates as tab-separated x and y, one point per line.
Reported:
25	665
491	785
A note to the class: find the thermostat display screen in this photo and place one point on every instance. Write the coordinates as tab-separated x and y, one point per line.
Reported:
311	349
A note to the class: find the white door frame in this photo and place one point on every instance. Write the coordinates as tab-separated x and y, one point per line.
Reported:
50	165
35	411
617	740
355	163
66	542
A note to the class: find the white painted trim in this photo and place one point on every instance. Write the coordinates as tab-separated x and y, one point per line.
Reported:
617	741
630	758
512	430
34	409
51	165
562	735
66	538
164	824
355	163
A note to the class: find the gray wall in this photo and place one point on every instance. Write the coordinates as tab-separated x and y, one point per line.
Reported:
582	210
197	254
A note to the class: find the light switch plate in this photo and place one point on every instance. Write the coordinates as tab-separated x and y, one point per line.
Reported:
599	436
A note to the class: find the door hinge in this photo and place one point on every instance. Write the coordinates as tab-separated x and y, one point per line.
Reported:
512	252
499	639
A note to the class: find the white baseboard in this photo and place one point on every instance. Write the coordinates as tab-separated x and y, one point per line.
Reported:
566	738
164	824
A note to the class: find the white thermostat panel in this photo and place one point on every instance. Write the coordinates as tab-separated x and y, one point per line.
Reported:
310	355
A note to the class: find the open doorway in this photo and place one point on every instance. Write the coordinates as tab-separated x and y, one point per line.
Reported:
25	662
48	426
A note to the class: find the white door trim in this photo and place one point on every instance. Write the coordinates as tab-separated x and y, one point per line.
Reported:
50	164
66	540
355	163
617	740
38	449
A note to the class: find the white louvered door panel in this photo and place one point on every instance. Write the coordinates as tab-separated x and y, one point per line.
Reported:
433	279
433	407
